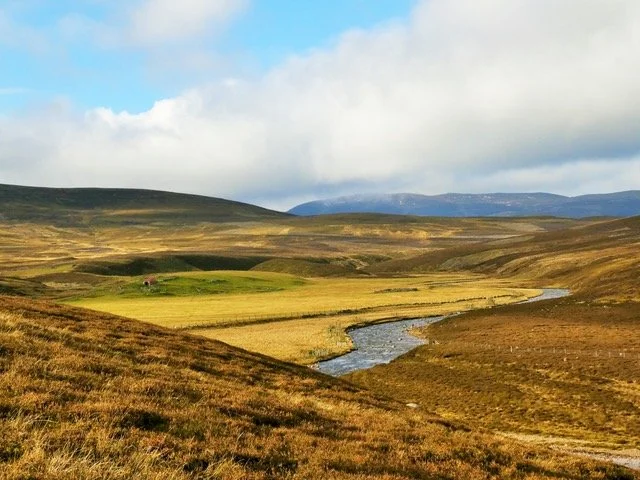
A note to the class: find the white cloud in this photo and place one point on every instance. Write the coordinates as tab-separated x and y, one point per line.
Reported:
467	95
571	178
154	22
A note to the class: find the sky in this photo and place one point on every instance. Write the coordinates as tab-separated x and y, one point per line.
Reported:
277	102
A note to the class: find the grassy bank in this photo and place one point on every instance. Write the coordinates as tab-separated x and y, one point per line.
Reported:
564	368
191	284
87	395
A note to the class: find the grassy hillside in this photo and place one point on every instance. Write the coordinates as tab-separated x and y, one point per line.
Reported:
43	259
87	395
566	368
117	206
563	372
306	267
166	263
601	258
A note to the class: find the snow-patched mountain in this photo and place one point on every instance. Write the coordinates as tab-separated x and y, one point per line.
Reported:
621	204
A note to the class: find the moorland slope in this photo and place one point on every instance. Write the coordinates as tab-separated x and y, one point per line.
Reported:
76	242
119	206
601	259
562	372
88	395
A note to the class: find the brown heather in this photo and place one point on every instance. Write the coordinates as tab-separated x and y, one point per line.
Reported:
86	395
565	368
563	372
599	260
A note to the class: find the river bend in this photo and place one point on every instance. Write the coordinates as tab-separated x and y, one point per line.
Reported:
381	343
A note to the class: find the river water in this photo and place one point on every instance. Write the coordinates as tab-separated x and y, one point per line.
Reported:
377	344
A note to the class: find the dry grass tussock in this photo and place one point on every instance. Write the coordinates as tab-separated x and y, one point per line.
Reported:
600	259
88	395
34	248
566	368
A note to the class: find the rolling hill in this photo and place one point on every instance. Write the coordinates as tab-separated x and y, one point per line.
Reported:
88	395
117	206
560	372
622	204
600	258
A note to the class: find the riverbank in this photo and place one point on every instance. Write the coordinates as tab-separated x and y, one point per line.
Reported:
382	343
301	320
567	368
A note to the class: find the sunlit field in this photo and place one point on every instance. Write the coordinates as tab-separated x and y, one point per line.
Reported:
289	317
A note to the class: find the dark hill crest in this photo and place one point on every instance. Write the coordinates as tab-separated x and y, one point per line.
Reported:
73	206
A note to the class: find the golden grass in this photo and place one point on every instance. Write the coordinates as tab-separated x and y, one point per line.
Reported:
472	374
564	369
26	245
300	324
85	395
309	340
605	272
600	260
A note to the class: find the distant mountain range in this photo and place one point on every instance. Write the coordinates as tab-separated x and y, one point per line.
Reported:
117	206
621	204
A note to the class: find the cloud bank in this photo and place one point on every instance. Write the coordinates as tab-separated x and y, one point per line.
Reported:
151	24
467	95
158	21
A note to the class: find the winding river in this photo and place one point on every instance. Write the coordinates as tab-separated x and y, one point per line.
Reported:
376	344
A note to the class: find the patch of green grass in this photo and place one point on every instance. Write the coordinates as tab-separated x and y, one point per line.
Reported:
187	284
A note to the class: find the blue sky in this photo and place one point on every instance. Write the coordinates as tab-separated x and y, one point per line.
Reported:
277	102
128	78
